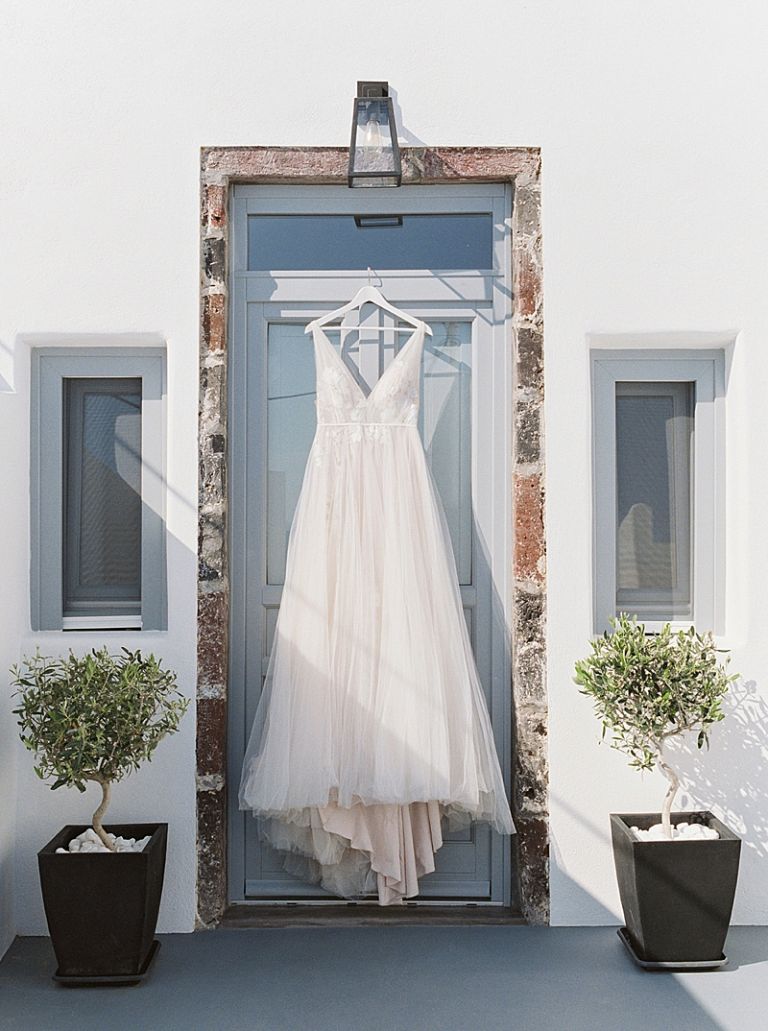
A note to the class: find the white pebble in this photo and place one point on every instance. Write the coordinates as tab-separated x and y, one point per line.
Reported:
89	841
682	831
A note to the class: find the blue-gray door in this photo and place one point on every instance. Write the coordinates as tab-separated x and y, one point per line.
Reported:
298	253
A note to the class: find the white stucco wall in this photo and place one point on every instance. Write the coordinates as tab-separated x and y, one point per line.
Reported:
649	117
12	622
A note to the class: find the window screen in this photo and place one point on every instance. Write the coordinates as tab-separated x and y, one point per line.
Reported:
654	438
102	496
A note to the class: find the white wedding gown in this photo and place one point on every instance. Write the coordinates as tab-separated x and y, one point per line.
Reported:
372	724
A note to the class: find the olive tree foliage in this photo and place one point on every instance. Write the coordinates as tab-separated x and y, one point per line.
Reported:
647	689
94	717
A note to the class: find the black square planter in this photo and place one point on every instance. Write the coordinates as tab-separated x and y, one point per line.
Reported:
102	909
677	896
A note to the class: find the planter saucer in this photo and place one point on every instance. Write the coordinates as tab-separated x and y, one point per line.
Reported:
103	980
649	964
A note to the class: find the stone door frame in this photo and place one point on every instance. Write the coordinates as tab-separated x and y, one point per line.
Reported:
521	167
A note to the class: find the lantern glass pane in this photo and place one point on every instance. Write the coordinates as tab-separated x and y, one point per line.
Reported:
375	180
373	150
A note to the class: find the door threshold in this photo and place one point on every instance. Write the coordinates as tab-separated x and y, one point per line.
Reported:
243	915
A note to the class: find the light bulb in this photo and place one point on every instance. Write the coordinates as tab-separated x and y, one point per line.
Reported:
373	138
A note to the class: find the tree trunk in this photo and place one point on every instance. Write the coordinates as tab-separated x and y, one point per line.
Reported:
106	791
674	785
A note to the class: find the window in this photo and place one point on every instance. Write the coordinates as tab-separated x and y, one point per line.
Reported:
657	477
338	241
98	538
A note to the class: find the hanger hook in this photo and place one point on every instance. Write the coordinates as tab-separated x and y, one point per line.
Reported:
370	273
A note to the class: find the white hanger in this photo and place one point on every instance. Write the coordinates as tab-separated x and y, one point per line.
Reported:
373	295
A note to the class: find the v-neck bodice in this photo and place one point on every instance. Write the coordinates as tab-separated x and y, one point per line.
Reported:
394	398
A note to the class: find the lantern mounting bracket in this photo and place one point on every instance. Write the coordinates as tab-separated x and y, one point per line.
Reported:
372	89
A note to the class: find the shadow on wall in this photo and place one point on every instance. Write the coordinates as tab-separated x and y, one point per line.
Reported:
580	900
7	369
404	136
731	776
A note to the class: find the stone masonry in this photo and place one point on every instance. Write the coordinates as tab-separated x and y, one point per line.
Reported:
221	167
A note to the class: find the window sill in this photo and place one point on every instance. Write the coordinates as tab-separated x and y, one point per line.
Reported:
101	623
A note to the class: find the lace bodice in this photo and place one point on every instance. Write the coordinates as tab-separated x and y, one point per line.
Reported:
394	399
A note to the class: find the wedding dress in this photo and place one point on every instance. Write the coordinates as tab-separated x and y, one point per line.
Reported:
372	724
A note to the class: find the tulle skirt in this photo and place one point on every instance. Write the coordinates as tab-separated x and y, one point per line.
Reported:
372	724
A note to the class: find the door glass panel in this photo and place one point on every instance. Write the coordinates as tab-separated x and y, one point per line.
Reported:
654	431
445	422
102	495
291	422
297	242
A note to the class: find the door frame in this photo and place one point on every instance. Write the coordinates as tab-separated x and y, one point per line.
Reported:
520	168
481	296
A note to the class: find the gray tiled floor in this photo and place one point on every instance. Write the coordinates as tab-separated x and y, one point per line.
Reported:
395	979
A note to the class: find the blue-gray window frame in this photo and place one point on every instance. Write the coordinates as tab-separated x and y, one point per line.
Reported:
706	370
50	367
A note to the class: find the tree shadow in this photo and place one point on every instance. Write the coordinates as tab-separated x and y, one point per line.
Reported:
731	778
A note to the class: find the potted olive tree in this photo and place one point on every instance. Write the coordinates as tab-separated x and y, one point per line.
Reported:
676	871
97	718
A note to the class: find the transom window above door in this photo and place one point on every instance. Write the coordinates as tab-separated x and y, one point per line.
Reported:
426	241
293	240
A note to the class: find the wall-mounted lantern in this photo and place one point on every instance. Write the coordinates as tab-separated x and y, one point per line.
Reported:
374	156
